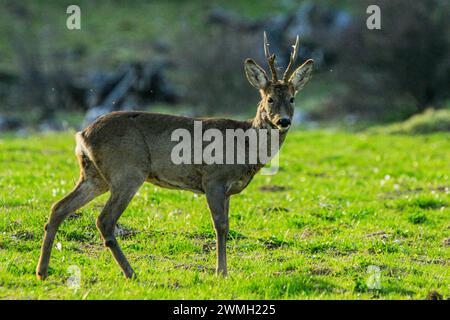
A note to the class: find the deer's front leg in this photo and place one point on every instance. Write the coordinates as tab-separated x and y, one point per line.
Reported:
218	203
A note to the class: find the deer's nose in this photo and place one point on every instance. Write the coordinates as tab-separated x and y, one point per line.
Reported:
284	123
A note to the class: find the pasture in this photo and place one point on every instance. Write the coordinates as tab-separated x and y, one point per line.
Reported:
349	216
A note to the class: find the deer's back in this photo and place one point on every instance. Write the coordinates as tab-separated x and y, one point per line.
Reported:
121	142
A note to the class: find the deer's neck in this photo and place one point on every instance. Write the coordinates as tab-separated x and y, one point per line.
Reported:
260	121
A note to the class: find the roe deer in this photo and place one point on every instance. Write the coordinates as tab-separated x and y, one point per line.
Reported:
122	150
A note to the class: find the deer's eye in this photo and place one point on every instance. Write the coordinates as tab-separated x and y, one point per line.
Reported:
291	100
270	100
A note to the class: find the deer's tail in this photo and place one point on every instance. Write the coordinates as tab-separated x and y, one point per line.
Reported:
86	160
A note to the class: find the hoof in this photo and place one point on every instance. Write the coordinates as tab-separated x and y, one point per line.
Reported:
130	275
41	275
221	273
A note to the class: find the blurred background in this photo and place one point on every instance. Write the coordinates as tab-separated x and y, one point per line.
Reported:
186	57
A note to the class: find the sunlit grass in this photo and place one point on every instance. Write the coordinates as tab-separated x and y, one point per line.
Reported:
348	202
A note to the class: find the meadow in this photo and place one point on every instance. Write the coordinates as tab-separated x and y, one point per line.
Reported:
348	216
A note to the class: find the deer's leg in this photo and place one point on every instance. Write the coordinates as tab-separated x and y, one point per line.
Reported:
121	196
86	190
218	203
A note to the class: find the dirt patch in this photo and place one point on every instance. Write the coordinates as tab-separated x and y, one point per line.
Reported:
446	242
276	209
91	249
445	189
122	231
191	266
306	234
397	193
318	174
273	188
209	246
425	260
396	272
175	212
283	273
320	271
23	235
273	243
380	234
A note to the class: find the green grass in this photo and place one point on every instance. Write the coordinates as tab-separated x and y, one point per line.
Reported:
429	121
348	202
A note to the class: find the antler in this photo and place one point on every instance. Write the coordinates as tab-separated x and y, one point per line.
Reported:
291	61
270	59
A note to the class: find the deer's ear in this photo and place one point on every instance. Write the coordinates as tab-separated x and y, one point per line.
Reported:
302	75
255	74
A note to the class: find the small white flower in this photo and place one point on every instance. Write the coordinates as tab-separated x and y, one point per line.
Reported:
59	246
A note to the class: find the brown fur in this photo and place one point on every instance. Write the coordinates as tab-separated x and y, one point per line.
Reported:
122	150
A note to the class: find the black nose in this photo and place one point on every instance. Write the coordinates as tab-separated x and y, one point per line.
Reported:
284	122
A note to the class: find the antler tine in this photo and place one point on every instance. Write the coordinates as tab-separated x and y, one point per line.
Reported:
292	59
270	59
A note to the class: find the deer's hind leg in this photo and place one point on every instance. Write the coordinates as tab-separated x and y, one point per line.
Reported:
122	192
89	186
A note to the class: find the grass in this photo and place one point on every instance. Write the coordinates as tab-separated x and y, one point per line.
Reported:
429	121
342	205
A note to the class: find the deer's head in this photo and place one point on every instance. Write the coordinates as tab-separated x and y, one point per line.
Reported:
277	96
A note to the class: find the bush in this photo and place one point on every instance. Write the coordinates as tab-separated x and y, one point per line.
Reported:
429	121
212	69
401	69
